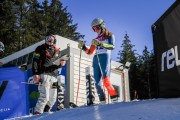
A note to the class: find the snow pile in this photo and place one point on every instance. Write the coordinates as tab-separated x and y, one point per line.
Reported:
156	109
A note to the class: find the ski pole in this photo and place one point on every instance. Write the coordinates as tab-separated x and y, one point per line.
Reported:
79	75
27	83
101	73
79	71
32	84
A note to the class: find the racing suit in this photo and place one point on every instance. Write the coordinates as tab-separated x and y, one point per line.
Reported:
102	63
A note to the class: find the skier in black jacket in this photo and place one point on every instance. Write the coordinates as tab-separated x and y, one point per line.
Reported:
45	71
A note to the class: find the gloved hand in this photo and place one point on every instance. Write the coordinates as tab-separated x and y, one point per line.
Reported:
96	42
81	44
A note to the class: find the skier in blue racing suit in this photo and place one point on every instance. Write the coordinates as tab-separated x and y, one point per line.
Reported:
103	44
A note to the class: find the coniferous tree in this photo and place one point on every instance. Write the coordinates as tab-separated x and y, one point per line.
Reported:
7	26
144	74
45	17
21	21
152	76
58	21
128	54
146	57
25	22
34	27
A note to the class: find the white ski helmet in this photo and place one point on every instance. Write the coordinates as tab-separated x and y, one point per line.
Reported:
2	46
98	22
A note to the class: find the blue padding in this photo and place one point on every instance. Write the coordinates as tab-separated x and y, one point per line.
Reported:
13	95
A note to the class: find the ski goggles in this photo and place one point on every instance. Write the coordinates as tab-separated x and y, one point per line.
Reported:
50	38
95	28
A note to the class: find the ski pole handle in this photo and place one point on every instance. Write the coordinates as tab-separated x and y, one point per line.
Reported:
32	84
27	83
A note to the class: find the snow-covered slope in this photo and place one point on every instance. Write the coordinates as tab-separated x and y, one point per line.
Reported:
156	109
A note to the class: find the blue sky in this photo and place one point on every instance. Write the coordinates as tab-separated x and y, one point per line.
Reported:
132	16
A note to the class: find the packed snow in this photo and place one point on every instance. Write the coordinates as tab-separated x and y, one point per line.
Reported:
155	109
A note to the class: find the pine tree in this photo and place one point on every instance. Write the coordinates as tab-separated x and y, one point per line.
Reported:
152	74
146	75
146	57
58	21
128	54
7	26
143	74
25	22
21	20
34	27
45	17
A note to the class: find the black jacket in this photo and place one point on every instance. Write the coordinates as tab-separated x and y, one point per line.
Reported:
43	57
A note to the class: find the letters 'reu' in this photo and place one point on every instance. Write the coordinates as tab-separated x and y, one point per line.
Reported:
171	58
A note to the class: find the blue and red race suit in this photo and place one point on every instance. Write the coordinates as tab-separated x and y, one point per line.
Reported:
102	62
